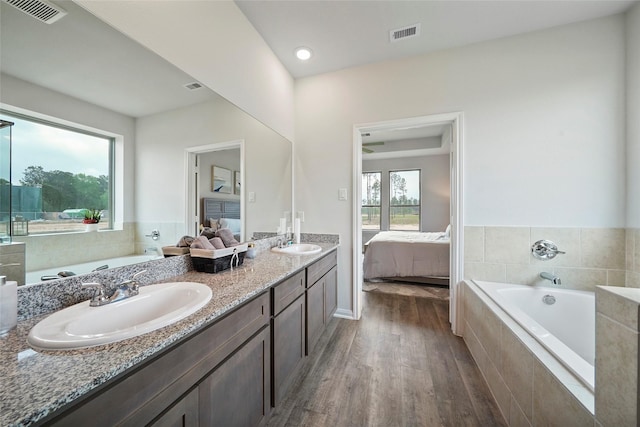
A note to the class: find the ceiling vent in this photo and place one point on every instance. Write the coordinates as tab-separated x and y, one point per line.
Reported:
41	10
193	86
404	33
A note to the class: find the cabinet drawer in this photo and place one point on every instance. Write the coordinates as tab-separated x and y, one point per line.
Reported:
318	269
287	291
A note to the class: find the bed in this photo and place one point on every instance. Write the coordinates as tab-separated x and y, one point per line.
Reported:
221	213
408	255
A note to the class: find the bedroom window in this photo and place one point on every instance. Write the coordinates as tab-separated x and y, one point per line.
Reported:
59	174
371	204
404	200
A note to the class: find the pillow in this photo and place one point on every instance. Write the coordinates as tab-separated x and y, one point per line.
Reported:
227	237
213	223
231	223
447	232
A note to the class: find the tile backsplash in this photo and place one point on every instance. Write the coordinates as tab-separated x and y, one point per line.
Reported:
594	256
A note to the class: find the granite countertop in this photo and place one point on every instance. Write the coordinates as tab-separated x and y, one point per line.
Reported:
33	384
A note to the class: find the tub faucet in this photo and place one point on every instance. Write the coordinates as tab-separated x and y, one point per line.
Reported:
551	277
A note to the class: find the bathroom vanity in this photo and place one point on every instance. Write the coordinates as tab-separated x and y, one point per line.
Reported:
227	364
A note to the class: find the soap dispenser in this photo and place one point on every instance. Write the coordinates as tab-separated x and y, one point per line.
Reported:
8	305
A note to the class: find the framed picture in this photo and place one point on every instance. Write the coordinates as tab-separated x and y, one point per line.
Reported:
221	180
236	182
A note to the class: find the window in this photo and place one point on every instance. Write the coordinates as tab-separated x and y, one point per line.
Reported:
371	200
58	174
404	200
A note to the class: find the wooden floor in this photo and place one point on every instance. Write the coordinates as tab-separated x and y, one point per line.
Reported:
400	365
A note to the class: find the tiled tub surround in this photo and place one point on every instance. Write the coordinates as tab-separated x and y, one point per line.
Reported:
34	384
529	384
617	314
594	256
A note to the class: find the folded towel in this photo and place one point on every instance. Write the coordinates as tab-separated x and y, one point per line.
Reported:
185	242
227	237
202	242
217	243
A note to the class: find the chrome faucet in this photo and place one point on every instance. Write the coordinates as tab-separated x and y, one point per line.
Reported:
551	277
124	290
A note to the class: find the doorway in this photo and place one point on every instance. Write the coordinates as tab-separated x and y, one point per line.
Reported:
454	121
195	189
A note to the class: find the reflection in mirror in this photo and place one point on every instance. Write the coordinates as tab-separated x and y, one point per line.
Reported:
80	72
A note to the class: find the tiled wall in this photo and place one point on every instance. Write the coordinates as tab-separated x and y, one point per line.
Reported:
530	387
594	256
12	262
617	311
633	258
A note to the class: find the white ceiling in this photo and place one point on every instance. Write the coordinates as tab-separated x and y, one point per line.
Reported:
344	34
81	56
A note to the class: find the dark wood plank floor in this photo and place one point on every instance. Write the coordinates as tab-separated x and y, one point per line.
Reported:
400	365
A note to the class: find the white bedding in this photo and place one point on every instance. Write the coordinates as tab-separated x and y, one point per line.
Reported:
407	254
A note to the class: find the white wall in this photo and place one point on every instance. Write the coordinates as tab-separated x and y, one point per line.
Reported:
229	159
633	117
214	43
434	187
543	128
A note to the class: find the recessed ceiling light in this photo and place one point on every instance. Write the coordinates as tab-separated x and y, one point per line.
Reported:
303	53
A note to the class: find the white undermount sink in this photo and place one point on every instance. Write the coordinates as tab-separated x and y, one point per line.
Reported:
299	249
156	306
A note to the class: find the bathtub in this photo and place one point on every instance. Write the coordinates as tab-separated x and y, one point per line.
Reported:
562	320
34	276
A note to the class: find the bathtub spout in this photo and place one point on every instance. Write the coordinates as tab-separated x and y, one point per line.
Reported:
551	277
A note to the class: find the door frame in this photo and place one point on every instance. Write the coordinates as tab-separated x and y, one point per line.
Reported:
192	209
456	259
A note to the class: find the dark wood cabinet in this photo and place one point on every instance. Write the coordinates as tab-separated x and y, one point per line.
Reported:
229	373
238	392
288	329
315	313
156	391
184	413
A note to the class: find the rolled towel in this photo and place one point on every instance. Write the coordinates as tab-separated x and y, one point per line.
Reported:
208	232
202	242
227	237
185	241
217	243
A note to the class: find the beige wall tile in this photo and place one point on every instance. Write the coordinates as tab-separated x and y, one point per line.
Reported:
583	279
636	251
616	373
489	333
525	274
614	305
484	271
632	279
473	244
553	405
499	390
630	245
616	277
567	240
603	248
509	245
517	371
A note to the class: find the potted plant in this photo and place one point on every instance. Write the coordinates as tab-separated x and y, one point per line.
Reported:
91	219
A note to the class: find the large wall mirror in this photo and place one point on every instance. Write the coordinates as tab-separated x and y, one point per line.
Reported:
80	72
